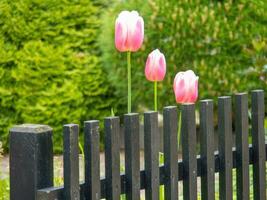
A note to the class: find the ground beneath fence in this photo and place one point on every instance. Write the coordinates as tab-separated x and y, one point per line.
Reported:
58	172
58	165
58	169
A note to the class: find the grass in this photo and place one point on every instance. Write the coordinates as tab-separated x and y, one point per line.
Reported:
4	183
4	189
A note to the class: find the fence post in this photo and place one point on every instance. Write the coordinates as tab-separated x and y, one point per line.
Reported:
132	156
31	160
189	144
258	140
225	148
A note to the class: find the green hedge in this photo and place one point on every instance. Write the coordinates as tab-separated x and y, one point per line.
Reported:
224	42
49	69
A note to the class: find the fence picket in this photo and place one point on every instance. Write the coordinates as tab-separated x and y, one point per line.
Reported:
258	143
225	148
151	140
71	162
132	156
207	150
170	152
189	151
92	161
112	157
242	153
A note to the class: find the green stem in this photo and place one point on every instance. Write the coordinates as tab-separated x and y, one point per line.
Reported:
81	149
161	189
129	81
155	96
179	129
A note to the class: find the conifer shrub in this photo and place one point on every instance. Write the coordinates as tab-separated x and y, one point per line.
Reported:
49	65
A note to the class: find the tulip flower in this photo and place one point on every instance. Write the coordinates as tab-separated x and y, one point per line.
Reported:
155	70
185	88
129	31
129	36
155	66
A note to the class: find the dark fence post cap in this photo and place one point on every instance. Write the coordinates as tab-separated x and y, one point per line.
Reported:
131	114
169	107
31	160
31	128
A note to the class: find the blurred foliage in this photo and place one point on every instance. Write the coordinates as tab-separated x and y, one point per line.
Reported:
224	42
1	150
49	69
4	189
59	65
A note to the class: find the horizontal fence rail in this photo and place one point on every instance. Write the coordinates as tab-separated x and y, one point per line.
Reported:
205	165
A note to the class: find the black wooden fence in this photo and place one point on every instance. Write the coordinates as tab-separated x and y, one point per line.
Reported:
31	157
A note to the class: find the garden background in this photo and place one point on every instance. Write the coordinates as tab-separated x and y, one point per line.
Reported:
59	65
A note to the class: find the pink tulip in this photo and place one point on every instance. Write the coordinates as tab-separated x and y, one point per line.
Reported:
155	66
129	31
185	87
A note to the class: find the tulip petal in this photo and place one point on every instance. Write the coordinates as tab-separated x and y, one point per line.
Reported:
180	91
120	35
148	68
161	68
195	92
138	35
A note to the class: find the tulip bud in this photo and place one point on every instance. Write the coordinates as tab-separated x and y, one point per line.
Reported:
185	87
155	66
129	31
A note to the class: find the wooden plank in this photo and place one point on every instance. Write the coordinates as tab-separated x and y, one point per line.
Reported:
207	150
189	151
132	156
92	160
112	158
151	140
258	139
225	147
71	162
242	153
170	152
